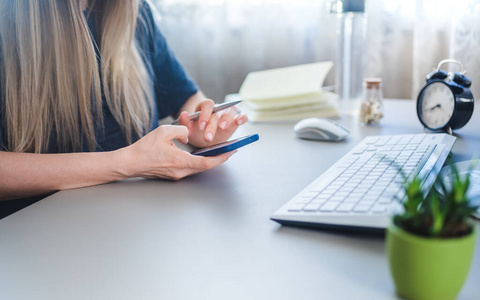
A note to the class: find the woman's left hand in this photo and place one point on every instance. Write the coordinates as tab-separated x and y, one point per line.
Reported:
211	128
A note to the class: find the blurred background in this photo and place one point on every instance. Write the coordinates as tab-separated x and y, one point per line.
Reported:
221	41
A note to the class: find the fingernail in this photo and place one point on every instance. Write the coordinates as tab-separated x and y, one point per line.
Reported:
223	124
203	125
209	136
240	122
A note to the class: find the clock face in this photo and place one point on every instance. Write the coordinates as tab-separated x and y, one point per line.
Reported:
436	105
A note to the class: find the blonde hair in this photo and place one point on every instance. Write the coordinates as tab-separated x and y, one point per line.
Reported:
51	79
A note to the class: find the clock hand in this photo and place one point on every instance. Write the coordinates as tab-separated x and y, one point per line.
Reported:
432	108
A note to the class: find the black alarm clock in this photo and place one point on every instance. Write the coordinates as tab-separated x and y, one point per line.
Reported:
445	102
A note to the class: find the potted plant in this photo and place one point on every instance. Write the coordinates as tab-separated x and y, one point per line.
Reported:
430	245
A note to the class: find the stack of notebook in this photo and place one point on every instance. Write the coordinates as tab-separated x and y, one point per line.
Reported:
290	93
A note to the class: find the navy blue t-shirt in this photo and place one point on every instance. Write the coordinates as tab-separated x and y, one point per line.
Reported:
171	88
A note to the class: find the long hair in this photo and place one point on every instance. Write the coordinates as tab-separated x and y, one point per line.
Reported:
52	80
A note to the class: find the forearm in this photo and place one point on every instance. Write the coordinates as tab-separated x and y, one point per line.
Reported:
153	156
26	174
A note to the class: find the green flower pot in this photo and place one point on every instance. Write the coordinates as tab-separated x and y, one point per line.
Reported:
428	268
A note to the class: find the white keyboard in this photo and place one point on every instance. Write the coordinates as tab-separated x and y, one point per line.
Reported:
360	189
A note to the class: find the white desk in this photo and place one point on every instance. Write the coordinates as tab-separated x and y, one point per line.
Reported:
208	236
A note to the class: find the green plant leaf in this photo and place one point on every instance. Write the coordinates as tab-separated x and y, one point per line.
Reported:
438	215
443	212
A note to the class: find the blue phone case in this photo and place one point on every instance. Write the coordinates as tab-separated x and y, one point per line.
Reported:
226	146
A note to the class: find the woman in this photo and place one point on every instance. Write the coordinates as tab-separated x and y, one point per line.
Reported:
83	84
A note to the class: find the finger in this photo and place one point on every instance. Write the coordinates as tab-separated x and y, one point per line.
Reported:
227	117
206	109
241	119
211	128
193	164
174	132
184	119
208	162
177	120
228	132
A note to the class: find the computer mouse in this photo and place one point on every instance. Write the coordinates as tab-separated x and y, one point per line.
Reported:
320	129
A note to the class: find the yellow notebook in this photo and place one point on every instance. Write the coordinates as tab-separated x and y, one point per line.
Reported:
289	93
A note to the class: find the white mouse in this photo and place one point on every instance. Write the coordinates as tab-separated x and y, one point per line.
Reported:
320	129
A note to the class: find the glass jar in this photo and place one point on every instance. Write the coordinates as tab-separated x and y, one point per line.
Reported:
371	106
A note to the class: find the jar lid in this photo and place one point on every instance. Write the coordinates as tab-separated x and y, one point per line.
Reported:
372	82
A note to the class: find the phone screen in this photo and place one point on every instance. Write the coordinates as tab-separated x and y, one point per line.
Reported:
226	146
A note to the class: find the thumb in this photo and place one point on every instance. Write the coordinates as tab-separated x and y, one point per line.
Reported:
172	132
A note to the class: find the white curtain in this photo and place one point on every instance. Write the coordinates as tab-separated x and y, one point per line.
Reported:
220	41
408	38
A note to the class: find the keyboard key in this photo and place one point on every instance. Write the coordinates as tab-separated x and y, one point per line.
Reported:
310	195
329	206
379	209
323	196
318	201
378	187
345	207
337	198
295	207
348	189
361	208
356	194
385	200
351	199
303	200
311	207
366	202
373	193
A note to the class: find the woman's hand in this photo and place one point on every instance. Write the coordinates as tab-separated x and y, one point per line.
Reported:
156	156
211	128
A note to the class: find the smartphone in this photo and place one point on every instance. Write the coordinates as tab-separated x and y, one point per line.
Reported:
226	146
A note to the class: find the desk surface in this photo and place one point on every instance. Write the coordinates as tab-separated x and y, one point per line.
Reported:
208	236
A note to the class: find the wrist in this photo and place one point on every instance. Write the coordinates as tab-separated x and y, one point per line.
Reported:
124	165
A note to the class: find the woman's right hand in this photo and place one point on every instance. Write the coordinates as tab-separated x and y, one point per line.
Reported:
156	156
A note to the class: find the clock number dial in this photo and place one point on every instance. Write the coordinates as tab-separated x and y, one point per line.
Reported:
437	106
